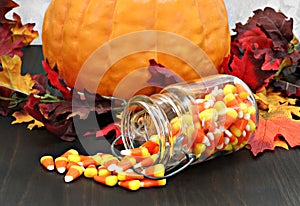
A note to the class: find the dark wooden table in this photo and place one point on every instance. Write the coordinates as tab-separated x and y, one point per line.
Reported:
272	178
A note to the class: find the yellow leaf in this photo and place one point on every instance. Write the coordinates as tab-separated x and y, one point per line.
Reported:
23	117
11	77
269	100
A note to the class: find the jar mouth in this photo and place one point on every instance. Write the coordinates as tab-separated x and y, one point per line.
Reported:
142	120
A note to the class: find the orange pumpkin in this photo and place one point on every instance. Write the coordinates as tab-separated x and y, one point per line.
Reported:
121	36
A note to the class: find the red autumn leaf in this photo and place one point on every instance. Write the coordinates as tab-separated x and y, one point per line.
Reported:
55	81
275	25
271	126
248	68
6	6
7	47
250	36
13	34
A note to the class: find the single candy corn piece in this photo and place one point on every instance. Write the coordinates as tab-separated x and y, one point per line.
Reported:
125	163
130	184
220	107
209	114
198	148
229	89
110	180
231	100
175	125
87	161
238	127
152	146
73	173
251	110
71	164
90	171
243	93
129	176
153	183
157	170
97	158
136	152
147	161
102	171
48	162
110	163
231	117
74	158
251	126
69	152
61	164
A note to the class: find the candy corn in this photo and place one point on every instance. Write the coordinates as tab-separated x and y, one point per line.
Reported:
61	164
125	163
153	183
90	171
130	184
129	176
73	173
110	180
69	152
102	171
147	161
48	162
157	170
139	152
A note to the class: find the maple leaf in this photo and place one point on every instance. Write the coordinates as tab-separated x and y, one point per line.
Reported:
278	121
269	130
11	77
248	68
24	117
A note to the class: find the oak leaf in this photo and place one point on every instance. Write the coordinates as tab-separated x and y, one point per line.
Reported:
24	117
11	78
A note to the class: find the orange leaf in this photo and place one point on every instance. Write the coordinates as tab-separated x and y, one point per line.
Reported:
24	117
11	77
271	126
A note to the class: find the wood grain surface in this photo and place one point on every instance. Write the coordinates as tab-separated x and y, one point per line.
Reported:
272	178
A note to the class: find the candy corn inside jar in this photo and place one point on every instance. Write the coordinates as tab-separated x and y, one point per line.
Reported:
189	122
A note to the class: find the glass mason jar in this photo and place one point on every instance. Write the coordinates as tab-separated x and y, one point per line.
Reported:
192	121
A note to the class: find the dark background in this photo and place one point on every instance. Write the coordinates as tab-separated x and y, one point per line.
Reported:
272	178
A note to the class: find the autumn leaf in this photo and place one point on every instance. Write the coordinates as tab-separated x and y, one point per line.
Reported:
6	6
11	77
279	121
56	81
13	34
271	126
248	68
23	32
275	25
259	48
24	117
